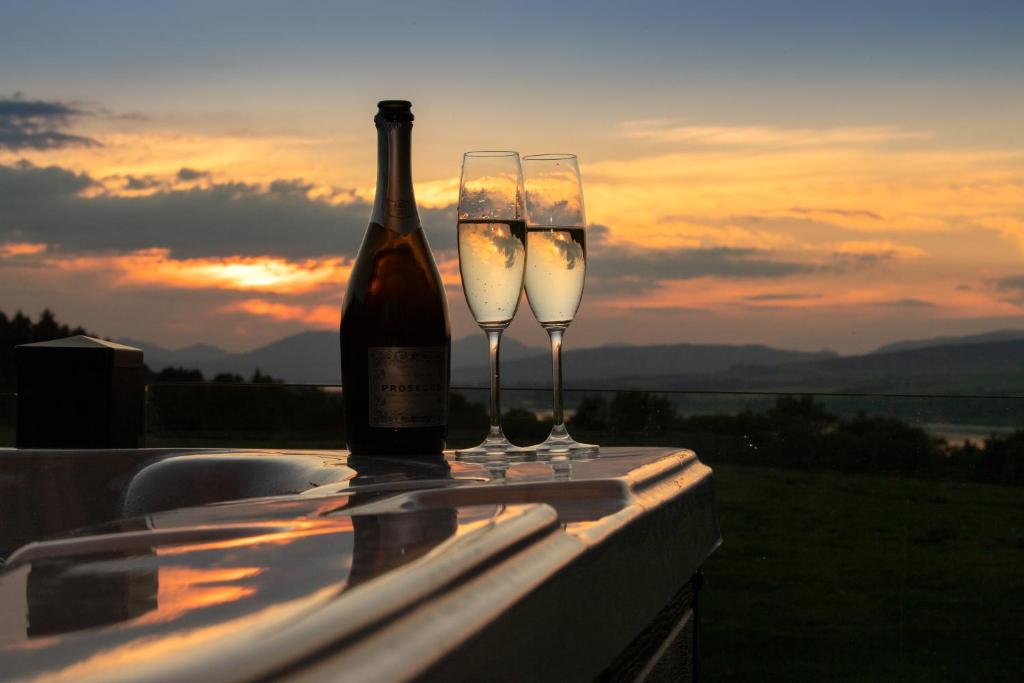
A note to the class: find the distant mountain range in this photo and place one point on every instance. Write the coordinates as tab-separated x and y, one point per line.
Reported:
985	338
995	368
986	363
304	358
600	366
158	357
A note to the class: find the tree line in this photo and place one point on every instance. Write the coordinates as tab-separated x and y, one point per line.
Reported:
799	432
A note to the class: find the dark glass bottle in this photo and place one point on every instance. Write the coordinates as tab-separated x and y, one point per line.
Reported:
395	330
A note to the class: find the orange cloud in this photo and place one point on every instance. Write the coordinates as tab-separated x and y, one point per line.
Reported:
1009	226
782	197
662	130
882	248
155	267
448	267
436	194
161	153
821	294
12	249
318	315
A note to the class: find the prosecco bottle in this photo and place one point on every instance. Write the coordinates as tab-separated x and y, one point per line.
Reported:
395	330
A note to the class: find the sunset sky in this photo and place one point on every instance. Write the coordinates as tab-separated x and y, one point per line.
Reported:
800	174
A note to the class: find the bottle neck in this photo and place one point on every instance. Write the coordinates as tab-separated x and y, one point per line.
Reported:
394	205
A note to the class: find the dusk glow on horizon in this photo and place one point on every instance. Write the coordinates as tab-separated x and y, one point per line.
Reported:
807	176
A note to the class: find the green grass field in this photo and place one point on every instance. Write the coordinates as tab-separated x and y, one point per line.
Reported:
842	577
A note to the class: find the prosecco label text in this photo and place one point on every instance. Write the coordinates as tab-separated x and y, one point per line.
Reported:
408	386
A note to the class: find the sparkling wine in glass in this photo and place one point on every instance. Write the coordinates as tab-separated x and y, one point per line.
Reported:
556	243
492	261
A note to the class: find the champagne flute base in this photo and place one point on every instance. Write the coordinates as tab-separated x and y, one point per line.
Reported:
495	445
559	441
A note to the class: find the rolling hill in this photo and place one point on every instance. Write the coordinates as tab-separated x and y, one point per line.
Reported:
984	338
995	368
305	358
970	366
596	366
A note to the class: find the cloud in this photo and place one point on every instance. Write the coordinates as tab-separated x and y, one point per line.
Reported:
844	213
293	188
38	125
1012	282
684	264
662	130
907	303
771	296
156	268
141	183
315	315
283	218
618	269
19	249
189	174
630	265
25	185
686	196
670	310
1010	223
872	252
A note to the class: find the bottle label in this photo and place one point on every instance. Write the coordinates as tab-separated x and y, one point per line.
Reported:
408	386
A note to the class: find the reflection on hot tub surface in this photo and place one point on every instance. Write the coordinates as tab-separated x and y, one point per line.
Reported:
135	600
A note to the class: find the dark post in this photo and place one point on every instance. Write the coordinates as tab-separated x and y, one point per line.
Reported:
79	392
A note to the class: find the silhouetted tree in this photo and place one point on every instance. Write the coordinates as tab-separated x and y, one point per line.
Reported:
465	415
1001	461
21	325
883	444
176	374
591	414
796	431
47	327
260	378
524	426
632	412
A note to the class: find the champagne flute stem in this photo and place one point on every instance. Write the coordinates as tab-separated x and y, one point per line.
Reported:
493	341
555	334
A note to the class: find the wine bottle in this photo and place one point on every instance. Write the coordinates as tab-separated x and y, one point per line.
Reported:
395	329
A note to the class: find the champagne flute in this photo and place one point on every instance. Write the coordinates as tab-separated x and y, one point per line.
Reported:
492	262
556	242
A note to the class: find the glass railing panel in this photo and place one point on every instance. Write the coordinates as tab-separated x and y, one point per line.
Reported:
243	415
946	437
